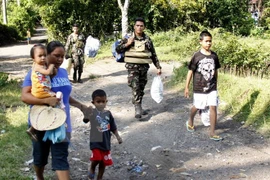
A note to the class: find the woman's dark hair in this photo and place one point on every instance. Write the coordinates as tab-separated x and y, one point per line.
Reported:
99	93
32	51
53	45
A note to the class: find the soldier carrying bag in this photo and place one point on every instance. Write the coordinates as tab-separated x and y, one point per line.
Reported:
138	54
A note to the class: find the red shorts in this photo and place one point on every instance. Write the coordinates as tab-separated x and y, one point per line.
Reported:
100	155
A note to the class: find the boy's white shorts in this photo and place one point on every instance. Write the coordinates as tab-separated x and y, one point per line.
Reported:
200	101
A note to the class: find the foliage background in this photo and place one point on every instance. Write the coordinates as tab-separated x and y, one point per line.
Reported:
102	18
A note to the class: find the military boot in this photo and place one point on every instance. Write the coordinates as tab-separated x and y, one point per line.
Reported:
138	111
143	112
75	76
79	77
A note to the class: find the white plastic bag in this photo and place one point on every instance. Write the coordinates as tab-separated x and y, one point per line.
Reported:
92	46
205	116
157	89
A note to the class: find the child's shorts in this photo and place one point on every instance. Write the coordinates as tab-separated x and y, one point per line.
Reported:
200	101
100	155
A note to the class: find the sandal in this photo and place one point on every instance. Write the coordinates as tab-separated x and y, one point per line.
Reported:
216	138
91	176
189	127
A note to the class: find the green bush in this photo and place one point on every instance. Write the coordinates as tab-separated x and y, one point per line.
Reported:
257	32
8	34
3	78
21	18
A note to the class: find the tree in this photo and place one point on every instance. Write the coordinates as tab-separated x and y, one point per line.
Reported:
231	15
124	11
4	8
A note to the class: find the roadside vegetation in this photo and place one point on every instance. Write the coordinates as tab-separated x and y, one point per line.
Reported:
14	143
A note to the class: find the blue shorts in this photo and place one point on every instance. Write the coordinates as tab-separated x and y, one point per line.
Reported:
59	152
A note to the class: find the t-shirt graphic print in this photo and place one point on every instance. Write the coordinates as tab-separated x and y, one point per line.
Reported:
204	67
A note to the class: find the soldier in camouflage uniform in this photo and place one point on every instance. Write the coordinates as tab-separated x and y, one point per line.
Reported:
75	50
139	53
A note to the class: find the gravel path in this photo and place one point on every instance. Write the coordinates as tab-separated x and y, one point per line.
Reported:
158	146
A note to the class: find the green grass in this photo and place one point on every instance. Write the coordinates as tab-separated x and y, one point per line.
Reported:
246	99
14	142
10	94
15	146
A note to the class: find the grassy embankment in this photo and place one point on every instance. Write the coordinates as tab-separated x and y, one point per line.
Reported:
244	98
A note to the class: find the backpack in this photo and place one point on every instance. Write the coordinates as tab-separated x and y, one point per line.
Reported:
119	57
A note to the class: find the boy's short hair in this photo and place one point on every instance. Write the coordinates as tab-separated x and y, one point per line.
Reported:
75	25
98	93
32	51
140	19
205	33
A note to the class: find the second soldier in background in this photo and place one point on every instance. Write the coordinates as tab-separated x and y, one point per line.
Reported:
75	50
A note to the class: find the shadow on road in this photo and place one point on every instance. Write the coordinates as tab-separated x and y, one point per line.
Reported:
22	49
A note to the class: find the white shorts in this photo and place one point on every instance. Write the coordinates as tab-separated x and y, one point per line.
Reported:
200	101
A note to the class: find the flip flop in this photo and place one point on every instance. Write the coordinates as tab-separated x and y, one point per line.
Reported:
216	138
189	127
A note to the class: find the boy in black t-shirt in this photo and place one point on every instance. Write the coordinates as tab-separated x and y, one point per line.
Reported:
102	124
203	68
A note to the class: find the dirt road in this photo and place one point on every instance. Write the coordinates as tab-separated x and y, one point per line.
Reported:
159	146
160	141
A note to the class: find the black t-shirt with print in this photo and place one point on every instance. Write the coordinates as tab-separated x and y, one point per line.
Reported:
203	67
102	123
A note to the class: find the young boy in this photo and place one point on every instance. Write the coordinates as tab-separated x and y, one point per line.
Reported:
28	36
203	68
102	124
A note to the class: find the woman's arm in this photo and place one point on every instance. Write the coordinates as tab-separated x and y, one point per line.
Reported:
28	98
87	111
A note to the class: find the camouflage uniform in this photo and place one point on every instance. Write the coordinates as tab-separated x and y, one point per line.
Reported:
137	73
76	47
